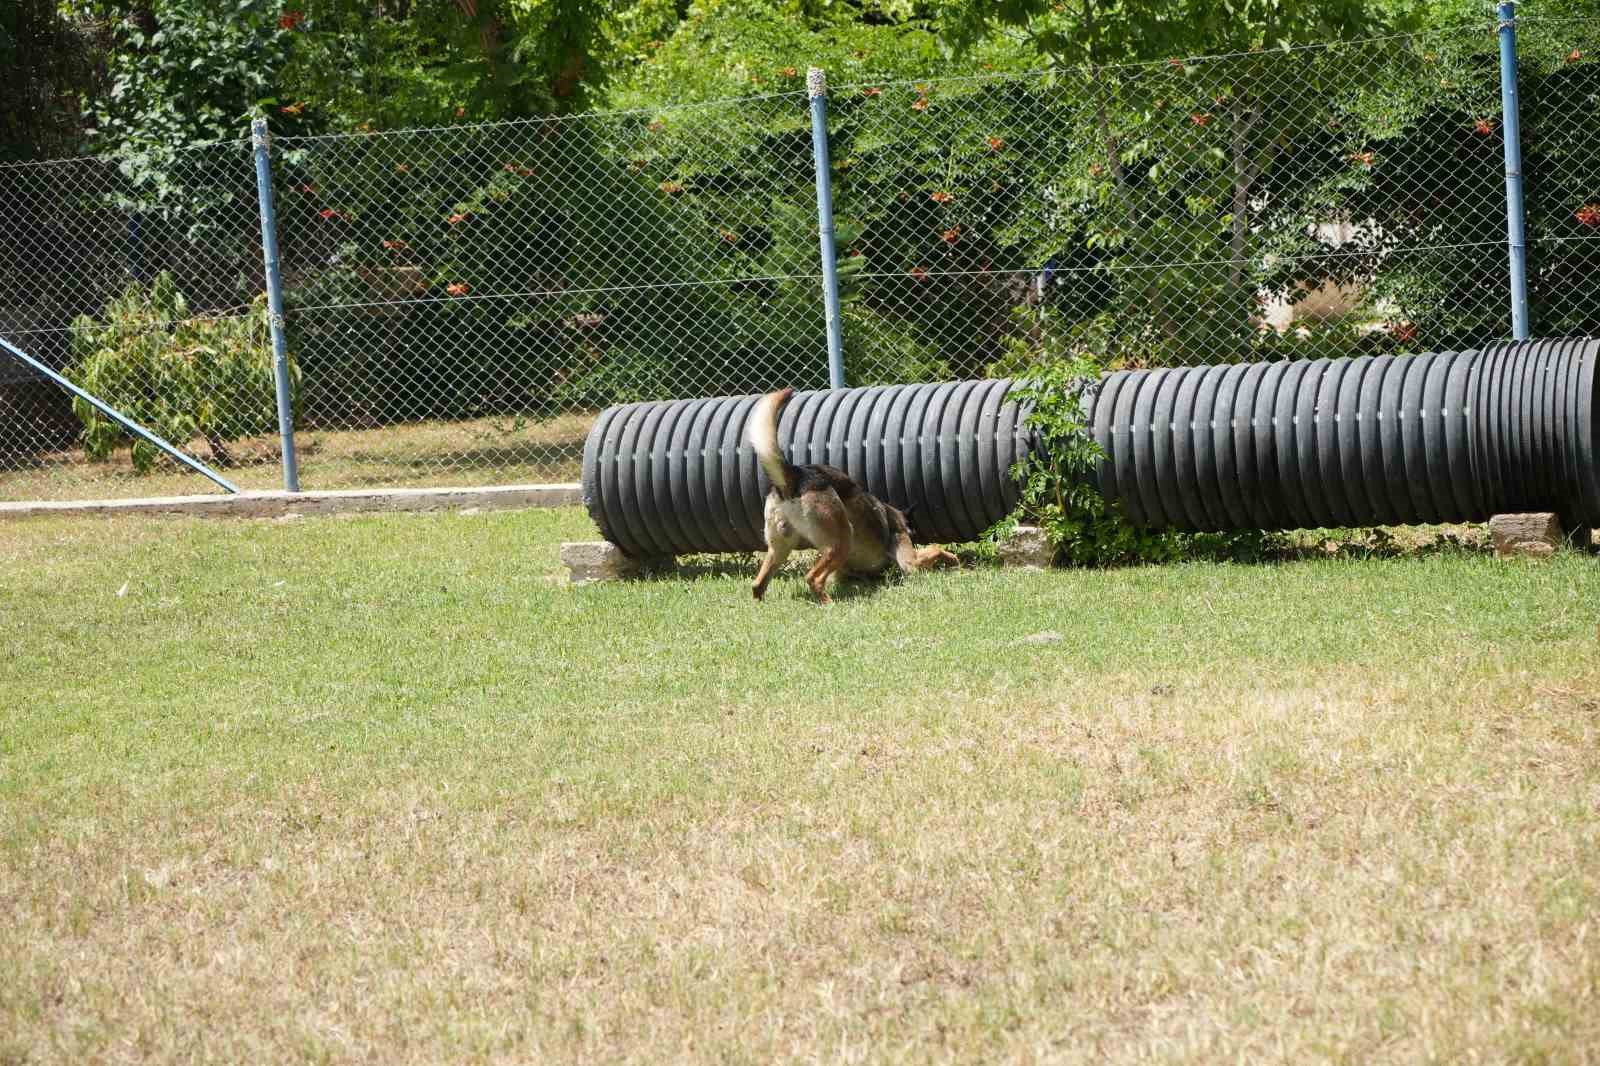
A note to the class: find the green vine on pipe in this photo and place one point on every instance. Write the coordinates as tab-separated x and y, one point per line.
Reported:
1058	491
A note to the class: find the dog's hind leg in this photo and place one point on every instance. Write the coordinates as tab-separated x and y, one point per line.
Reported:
828	563
775	556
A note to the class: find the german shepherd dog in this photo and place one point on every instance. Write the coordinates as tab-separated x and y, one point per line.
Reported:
818	506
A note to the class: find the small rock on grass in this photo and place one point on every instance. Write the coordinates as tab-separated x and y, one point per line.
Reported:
1532	536
1049	636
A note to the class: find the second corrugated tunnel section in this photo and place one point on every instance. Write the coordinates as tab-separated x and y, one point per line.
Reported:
1373	440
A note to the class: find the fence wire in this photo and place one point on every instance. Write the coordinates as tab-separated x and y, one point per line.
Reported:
461	301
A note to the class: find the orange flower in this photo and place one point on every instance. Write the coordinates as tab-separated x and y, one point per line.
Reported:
396	245
788	72
1362	158
995	144
951	235
730	236
1201	119
1574	55
920	104
671	188
402	168
940	197
459	216
656	126
458	288
461	112
1483	127
1175	63
870	91
919	273
329	214
1588	215
1095	170
292	109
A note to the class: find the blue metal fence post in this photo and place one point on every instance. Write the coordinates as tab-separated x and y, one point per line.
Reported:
261	140
817	89
1516	230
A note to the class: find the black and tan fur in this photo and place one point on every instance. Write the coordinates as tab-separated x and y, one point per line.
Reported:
821	507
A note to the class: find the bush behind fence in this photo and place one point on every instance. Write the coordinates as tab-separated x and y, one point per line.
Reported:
459	301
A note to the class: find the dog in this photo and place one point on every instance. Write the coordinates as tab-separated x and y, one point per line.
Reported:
819	506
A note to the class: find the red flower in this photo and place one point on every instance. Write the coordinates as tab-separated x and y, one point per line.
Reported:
330	214
1483	127
1362	158
940	197
306	186
460	216
1175	63
290	19
292	109
919	273
995	144
1574	55
402	168
951	235
1201	119
396	245
458	288
1588	215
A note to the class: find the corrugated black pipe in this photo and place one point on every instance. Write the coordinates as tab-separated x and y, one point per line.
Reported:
677	477
1375	440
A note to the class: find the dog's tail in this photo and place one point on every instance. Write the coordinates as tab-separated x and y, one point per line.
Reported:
762	431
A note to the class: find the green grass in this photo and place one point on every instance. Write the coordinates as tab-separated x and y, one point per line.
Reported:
386	788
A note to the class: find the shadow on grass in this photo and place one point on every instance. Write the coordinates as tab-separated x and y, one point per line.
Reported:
744	565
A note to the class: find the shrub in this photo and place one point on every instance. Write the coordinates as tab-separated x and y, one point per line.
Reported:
1058	491
180	377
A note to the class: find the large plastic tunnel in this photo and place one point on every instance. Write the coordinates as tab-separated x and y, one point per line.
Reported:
678	477
1374	440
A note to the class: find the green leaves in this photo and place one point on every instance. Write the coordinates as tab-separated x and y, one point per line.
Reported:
179	376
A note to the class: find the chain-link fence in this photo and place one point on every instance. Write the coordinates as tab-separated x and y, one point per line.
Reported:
461	301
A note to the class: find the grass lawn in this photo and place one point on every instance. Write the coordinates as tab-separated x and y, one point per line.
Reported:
485	451
386	789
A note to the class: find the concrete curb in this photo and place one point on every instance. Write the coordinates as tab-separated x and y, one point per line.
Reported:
342	501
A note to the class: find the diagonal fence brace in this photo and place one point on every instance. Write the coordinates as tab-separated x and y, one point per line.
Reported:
118	417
